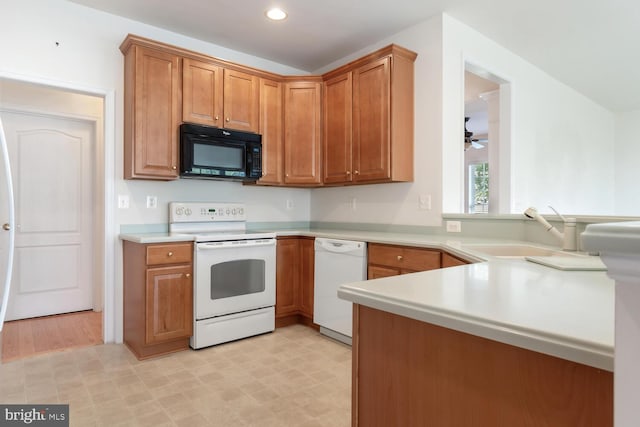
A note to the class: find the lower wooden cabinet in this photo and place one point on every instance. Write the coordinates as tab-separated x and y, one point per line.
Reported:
411	373
449	260
392	260
158	297
294	280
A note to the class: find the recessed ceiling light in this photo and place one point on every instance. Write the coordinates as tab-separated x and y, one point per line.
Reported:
276	14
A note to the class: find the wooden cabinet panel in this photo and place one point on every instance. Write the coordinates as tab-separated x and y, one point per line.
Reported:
307	263
410	373
152	113
381	119
287	276
271	131
377	272
294	280
169	304
371	102
302	133
337	128
158	297
171	253
202	85
214	96
449	260
403	258
241	101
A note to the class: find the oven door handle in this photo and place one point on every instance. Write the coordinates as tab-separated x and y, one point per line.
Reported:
235	244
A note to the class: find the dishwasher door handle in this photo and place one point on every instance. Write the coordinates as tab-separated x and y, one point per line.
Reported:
338	246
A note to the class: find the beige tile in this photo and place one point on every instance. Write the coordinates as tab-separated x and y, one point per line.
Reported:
292	377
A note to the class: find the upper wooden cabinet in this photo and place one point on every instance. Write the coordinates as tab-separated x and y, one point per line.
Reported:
214	96
271	131
151	113
353	125
369	119
302	144
337	129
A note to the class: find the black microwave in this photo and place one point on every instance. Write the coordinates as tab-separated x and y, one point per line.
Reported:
215	153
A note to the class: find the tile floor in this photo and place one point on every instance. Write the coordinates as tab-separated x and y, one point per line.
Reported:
292	377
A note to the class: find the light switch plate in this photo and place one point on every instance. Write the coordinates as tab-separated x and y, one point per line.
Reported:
152	202
123	201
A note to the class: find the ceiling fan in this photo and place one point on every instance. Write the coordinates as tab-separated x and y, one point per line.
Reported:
469	141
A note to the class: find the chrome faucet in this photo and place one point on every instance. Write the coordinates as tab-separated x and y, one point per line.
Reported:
568	236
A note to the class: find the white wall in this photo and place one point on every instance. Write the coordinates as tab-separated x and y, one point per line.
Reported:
561	142
398	203
627	152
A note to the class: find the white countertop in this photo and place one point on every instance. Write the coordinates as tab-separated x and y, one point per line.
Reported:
567	314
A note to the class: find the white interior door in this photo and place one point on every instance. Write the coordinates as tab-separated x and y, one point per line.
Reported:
51	160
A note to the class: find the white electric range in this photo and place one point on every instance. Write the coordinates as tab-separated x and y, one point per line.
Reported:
234	272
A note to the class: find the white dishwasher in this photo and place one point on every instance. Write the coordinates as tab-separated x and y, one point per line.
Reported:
336	262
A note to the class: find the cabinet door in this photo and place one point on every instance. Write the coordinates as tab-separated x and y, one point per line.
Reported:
337	129
371	106
169	303
451	261
287	274
302	133
271	131
307	263
377	271
201	92
241	101
153	114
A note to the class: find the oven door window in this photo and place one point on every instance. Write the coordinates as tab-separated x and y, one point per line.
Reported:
238	277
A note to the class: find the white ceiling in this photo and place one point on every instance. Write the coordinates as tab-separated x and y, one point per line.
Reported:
590	45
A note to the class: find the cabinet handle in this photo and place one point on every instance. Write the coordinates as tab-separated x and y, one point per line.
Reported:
228	119
217	117
348	172
399	257
187	275
356	173
170	254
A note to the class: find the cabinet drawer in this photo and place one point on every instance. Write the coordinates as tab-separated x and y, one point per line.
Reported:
451	261
403	257
169	253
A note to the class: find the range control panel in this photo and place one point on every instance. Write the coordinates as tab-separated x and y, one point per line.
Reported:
206	212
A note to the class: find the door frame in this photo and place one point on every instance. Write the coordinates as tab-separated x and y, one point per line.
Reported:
105	177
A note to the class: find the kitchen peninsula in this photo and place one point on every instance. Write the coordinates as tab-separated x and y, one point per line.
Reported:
504	342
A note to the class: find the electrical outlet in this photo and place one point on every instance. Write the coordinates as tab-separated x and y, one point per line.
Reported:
354	204
152	202
289	204
454	226
123	201
424	202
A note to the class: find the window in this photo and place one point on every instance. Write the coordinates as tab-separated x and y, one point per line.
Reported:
479	188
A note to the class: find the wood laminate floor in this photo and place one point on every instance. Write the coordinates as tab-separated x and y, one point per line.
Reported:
29	337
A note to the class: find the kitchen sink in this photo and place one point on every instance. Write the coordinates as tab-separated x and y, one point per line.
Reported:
517	251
